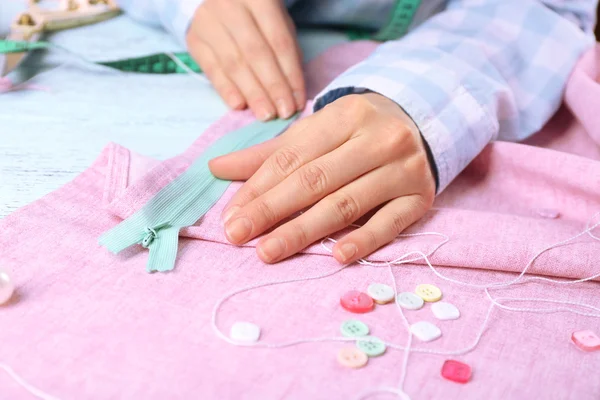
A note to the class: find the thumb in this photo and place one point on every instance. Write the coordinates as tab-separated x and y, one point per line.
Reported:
241	165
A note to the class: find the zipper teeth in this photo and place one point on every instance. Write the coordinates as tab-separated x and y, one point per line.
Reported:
180	203
189	198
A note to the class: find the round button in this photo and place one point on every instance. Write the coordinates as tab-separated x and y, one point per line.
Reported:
371	346
356	302
352	357
353	328
6	287
381	293
244	332
445	311
425	331
428	293
410	301
586	340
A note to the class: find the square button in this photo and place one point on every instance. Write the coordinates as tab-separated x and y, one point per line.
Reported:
456	371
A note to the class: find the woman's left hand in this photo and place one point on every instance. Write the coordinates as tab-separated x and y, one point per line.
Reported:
356	154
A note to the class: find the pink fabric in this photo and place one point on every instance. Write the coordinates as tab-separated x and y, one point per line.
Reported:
87	324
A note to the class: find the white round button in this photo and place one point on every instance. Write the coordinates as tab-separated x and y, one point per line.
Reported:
425	331
445	311
6	287
410	301
381	293
245	332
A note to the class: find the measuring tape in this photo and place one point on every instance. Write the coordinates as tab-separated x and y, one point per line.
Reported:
397	26
161	63
401	18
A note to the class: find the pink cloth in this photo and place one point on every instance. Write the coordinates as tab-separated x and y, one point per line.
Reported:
87	324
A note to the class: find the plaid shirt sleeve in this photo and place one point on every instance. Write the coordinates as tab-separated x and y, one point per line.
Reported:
174	16
481	70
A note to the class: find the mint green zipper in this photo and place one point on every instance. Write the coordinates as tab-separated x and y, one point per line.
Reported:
185	200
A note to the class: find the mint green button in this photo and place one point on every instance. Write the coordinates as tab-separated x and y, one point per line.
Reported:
354	328
371	346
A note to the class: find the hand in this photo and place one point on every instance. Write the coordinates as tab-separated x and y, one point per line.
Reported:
356	154
248	50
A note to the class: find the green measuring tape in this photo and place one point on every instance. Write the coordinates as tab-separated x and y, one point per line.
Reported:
397	26
185	200
161	63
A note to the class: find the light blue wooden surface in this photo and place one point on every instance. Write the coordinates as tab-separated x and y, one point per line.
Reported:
46	138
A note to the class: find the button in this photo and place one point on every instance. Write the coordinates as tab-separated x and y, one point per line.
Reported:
456	371
352	357
425	331
353	328
428	293
356	302
548	213
382	294
586	340
6	287
410	301
371	346
445	311
244	332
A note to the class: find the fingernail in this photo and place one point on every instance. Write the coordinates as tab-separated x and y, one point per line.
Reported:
272	249
264	114
298	97
227	214
238	230
283	109
347	251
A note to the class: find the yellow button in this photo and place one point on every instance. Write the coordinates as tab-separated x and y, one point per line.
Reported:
428	292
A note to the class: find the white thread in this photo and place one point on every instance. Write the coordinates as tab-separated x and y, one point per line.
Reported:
410	335
495	302
187	69
27	386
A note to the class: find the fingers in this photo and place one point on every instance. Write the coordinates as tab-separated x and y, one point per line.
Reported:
234	65
259	56
303	142
241	165
331	214
305	186
278	29
228	90
381	229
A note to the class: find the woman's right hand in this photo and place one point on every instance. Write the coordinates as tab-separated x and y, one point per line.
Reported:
248	50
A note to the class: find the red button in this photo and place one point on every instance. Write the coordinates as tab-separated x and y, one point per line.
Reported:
356	302
456	371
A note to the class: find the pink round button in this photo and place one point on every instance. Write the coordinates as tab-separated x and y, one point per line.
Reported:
356	302
586	340
456	371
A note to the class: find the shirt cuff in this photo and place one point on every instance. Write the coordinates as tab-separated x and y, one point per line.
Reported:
455	127
182	16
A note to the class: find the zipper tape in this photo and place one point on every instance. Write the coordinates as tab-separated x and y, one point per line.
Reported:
185	200
400	19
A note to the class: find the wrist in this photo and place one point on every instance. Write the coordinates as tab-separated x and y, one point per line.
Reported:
377	98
